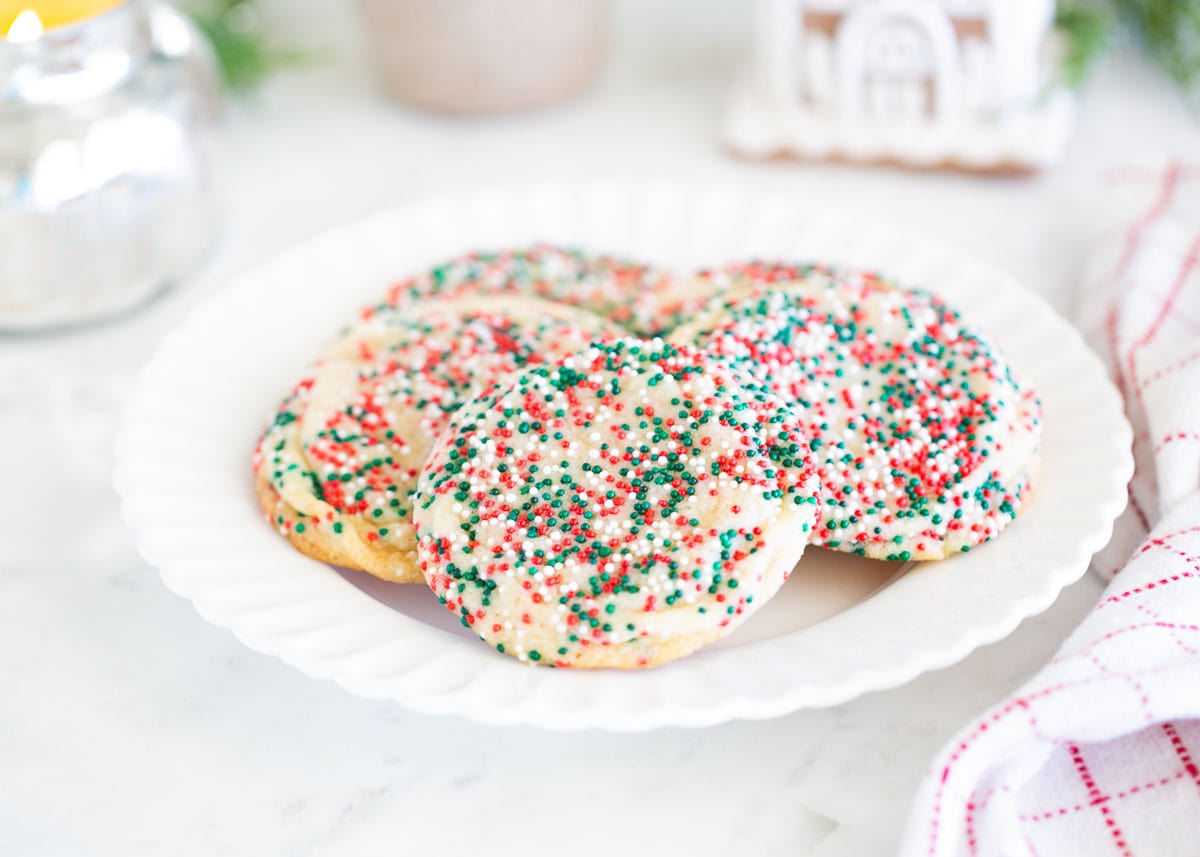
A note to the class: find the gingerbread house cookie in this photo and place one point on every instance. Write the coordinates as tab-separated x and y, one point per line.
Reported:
968	84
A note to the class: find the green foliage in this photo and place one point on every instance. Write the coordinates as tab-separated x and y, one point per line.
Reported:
245	54
1086	30
1170	32
1167	30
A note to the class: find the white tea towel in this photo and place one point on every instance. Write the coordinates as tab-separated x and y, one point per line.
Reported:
1098	754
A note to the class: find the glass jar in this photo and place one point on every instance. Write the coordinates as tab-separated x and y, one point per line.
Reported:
107	136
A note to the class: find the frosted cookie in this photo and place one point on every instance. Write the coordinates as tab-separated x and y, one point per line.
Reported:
619	509
926	442
619	289
336	469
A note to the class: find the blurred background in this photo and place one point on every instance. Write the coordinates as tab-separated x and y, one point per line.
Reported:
310	135
323	121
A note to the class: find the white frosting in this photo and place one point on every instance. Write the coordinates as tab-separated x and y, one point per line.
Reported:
921	81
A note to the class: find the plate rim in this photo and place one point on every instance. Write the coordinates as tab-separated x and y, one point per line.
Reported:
535	709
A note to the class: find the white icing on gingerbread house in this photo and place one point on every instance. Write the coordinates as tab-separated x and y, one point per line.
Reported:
966	83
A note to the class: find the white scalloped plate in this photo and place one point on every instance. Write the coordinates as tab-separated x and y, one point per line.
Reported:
842	626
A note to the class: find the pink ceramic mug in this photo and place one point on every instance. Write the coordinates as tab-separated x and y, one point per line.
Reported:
474	56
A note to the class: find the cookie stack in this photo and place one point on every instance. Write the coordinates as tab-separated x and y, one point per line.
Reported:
594	463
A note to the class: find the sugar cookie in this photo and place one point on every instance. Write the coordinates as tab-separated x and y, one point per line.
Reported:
624	291
926	442
336	468
620	508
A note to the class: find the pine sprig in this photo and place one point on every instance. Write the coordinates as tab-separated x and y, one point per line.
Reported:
1167	30
1086	30
1170	32
244	52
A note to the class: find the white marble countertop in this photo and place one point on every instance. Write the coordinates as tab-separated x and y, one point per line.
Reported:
130	726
